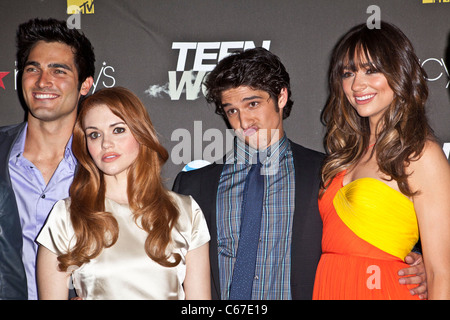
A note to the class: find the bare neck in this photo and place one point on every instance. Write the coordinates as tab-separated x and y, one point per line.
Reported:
116	188
46	142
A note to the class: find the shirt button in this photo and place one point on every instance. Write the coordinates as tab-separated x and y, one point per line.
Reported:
256	278
43	196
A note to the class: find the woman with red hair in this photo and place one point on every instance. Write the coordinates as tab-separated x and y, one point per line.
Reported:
121	234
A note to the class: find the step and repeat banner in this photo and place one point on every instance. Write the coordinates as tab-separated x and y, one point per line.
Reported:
161	50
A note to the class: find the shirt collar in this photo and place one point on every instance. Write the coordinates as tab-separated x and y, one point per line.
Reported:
68	154
242	153
19	146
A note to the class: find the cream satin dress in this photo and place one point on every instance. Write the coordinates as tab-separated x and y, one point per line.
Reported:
124	271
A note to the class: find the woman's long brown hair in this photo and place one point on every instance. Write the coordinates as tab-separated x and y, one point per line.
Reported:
149	201
404	128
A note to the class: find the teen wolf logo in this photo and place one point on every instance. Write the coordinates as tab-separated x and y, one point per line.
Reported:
191	71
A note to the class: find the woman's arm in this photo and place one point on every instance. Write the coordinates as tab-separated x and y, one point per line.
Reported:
430	175
52	283
197	284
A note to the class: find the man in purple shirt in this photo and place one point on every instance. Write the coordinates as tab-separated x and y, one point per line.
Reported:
56	66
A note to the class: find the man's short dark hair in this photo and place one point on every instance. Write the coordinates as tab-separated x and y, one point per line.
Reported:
256	68
52	30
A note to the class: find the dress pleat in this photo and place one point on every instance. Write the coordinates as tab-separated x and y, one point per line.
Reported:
352	266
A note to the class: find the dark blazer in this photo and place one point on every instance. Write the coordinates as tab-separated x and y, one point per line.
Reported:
8	135
306	249
13	282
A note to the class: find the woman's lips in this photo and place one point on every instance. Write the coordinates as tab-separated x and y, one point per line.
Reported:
110	157
363	99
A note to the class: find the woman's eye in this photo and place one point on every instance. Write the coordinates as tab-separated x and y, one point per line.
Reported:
119	130
94	135
370	71
346	74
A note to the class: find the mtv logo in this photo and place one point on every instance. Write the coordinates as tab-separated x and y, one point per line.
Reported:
80	6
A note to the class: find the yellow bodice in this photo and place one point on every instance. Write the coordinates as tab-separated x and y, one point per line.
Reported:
378	214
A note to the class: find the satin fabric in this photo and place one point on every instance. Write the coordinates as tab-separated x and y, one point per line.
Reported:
368	229
124	271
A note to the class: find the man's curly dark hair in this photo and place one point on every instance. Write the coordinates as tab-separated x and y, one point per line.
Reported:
52	30
256	68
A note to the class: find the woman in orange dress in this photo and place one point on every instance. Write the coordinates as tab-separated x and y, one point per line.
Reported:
385	178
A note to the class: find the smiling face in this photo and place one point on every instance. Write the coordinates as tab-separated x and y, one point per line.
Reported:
254	115
368	91
110	142
50	82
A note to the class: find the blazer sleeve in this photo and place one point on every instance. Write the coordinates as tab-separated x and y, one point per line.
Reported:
176	183
13	281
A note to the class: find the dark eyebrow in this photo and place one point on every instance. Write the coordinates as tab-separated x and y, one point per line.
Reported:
367	65
252	98
117	123
51	65
60	65
244	99
33	63
353	67
111	125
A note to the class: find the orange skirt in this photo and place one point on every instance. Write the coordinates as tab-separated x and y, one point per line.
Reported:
343	276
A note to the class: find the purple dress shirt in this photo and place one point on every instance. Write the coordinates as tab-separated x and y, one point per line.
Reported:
35	199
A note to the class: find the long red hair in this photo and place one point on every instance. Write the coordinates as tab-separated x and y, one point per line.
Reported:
149	201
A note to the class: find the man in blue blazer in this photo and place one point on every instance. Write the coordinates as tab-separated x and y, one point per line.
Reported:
256	111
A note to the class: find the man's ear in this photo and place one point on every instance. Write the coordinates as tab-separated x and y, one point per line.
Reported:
282	98
86	86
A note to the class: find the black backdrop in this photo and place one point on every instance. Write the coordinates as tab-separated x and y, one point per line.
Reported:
160	49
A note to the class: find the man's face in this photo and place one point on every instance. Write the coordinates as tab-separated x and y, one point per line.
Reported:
254	115
50	82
